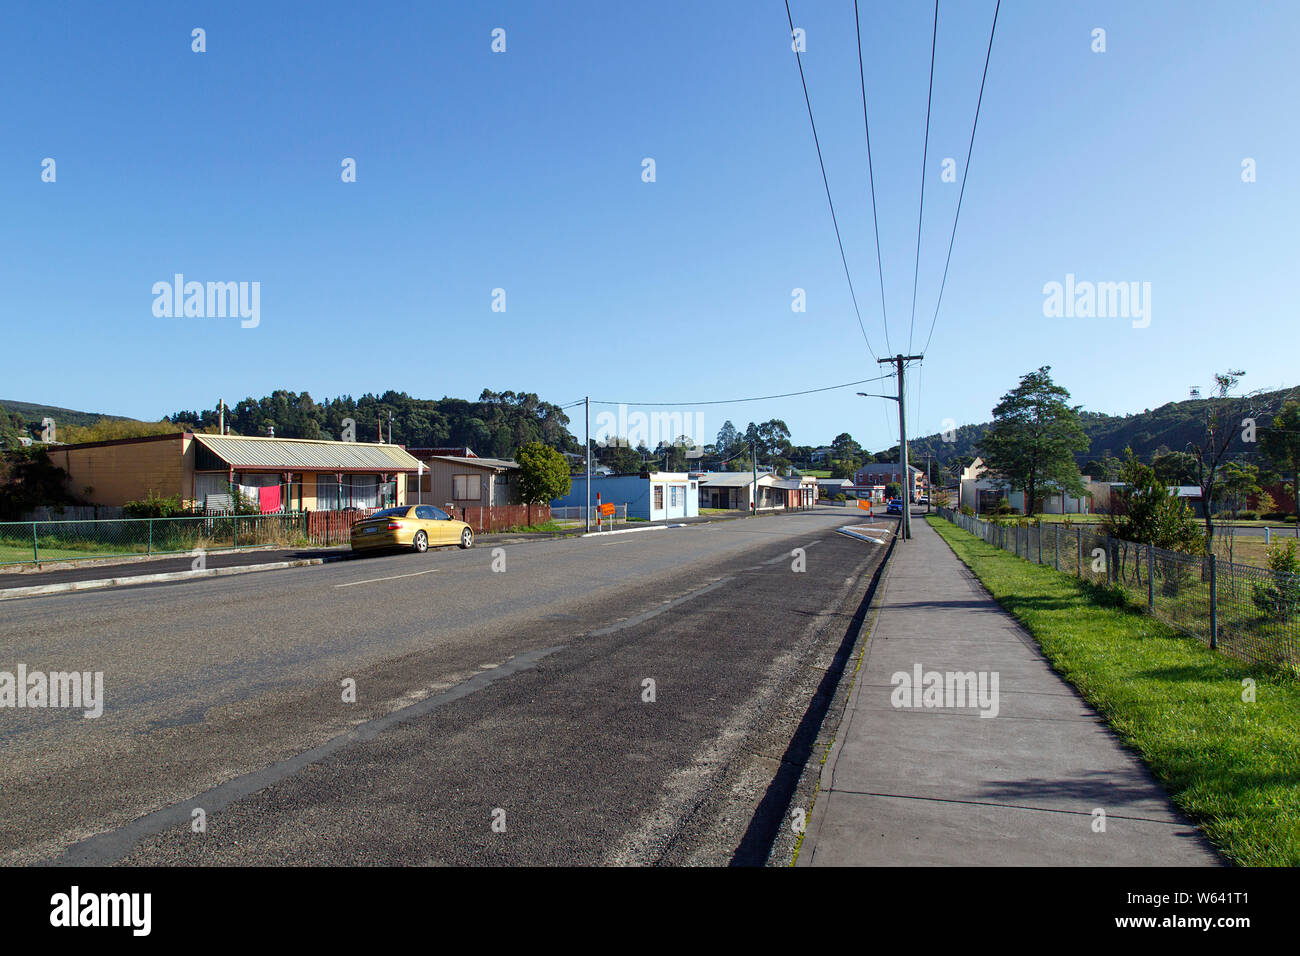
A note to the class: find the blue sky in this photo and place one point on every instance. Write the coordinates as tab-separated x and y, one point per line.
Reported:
522	170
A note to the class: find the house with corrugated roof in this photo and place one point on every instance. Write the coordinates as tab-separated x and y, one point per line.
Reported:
281	474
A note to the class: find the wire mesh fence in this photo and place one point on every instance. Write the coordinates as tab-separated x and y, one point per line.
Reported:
27	542
1249	612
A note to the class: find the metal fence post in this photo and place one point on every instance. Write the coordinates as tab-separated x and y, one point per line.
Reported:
1151	579
1040	543
149	546
1056	547
1078	552
1110	565
36	549
1214	601
236	544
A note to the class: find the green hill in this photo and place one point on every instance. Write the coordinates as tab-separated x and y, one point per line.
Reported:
32	414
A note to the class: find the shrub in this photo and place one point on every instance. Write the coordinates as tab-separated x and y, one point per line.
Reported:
968	511
1280	597
153	506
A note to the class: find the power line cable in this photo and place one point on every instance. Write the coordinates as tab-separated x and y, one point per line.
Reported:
965	172
871	174
925	154
826	182
737	401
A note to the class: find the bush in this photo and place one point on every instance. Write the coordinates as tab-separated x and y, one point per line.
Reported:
968	511
153	506
1280	598
840	496
1004	508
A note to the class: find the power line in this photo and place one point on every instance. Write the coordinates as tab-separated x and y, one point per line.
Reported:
880	268
737	401
965	172
826	182
925	154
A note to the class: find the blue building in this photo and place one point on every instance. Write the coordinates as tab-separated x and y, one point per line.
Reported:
658	496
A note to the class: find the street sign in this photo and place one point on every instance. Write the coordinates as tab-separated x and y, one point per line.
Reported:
607	509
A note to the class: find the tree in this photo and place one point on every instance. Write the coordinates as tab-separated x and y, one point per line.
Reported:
894	490
774	438
543	474
843	469
1280	442
1175	468
1033	438
845	448
727	438
1104	469
1211	449
1142	510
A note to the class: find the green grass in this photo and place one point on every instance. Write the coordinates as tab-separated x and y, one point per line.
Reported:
1231	766
546	526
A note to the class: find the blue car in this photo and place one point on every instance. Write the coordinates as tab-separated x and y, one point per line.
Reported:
894	506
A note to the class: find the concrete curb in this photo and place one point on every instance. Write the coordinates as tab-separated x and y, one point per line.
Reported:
102	583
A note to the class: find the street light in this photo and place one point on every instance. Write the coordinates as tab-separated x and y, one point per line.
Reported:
905	515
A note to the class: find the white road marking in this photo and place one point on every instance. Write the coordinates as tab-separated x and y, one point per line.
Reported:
391	577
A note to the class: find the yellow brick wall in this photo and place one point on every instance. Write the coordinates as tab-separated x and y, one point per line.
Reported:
117	474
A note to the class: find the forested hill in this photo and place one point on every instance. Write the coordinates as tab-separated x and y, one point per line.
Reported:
1154	431
493	426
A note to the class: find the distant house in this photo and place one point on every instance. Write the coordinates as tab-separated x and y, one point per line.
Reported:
834	486
980	491
871	479
465	481
736	490
652	496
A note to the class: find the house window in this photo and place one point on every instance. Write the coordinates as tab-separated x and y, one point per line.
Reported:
466	487
677	493
659	498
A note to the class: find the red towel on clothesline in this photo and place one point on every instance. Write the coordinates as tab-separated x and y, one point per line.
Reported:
268	499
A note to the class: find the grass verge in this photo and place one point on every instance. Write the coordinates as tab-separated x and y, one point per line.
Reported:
1232	766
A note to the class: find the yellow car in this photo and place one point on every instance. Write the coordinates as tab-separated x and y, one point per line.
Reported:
415	526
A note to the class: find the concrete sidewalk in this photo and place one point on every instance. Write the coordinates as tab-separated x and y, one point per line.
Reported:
916	785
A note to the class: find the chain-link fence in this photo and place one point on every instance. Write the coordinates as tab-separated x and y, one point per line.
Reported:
27	542
1249	612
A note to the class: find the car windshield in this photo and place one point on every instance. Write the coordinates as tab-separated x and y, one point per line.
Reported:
389	513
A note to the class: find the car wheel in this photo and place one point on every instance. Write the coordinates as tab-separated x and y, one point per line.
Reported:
466	538
421	542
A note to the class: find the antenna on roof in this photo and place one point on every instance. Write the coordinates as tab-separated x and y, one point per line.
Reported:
1194	391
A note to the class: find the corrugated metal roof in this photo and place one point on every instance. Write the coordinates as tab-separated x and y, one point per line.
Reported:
727	479
300	454
500	464
787	484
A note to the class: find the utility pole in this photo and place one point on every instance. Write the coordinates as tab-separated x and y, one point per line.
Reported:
587	510
753	457
905	479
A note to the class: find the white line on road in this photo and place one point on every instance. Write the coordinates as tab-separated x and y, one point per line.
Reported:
391	577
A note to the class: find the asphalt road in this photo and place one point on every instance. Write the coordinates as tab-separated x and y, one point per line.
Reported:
516	698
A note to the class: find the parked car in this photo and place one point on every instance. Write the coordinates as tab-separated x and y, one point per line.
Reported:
418	527
894	506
